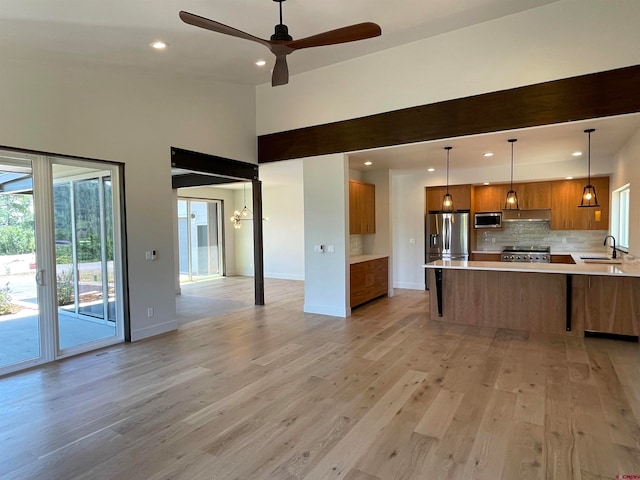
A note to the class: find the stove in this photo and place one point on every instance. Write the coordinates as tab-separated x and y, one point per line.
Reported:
527	254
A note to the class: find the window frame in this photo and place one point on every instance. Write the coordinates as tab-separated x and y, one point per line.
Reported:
621	201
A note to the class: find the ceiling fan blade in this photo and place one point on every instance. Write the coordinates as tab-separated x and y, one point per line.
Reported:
198	21
352	33
280	75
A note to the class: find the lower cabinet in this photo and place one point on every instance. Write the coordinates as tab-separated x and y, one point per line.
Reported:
607	304
369	280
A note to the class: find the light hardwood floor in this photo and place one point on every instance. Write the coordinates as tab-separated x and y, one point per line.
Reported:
272	393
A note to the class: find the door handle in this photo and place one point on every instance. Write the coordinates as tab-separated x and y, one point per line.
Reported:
40	278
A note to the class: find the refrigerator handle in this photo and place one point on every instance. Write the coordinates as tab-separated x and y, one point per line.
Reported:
446	227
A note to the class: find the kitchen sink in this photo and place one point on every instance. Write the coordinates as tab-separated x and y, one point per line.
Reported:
601	259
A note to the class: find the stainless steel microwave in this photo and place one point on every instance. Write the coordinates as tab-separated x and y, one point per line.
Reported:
487	220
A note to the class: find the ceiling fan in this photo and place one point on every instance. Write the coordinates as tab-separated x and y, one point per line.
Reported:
282	44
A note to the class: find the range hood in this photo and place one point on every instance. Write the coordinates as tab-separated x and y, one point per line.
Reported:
526	215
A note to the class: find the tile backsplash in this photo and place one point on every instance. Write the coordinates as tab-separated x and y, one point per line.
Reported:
538	233
355	245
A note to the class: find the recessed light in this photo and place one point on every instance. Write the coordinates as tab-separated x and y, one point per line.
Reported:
488	154
486	183
368	163
576	154
261	63
569	178
159	45
431	169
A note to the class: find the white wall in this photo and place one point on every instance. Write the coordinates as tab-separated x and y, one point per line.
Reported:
407	224
326	192
627	170
559	40
283	204
133	118
283	232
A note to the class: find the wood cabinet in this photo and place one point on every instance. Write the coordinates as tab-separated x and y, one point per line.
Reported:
461	197
565	198
368	280
485	257
362	207
489	198
534	195
607	304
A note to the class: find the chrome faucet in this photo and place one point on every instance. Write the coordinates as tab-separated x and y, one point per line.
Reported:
613	255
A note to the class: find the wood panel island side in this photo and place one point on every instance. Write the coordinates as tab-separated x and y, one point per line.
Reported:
591	299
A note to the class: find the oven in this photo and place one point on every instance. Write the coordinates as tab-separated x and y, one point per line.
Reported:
526	254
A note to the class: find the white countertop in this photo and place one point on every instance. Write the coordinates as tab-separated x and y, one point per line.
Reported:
365	258
628	268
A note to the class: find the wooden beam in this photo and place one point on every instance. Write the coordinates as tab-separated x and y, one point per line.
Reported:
603	94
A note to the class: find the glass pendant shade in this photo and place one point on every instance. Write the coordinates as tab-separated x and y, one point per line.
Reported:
511	203
447	202
447	199
589	197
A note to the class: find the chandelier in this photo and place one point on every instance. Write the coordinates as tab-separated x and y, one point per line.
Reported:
245	213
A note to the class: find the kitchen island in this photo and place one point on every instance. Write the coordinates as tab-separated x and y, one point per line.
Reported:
581	298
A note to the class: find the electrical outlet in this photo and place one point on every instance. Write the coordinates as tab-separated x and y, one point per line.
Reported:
149	312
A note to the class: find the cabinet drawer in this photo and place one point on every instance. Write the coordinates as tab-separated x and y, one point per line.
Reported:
369	280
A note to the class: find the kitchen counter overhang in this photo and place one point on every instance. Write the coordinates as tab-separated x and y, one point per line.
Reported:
624	269
549	298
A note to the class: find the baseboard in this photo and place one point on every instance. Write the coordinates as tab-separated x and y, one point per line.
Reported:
153	330
325	310
409	286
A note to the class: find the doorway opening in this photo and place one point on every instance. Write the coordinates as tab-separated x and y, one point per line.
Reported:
200	239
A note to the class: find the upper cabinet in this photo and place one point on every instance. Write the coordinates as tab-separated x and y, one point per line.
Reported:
534	195
531	196
565	198
461	197
362	207
489	198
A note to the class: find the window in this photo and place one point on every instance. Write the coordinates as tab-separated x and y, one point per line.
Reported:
620	220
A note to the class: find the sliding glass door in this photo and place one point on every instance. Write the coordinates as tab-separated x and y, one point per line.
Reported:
200	239
83	206
20	332
60	262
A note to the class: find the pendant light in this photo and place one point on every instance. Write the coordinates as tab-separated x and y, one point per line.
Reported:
589	197
243	214
512	197
447	199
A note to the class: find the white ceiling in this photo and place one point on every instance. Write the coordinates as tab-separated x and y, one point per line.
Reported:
119	32
544	146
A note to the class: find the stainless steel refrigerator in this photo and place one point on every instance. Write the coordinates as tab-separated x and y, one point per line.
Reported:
446	237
